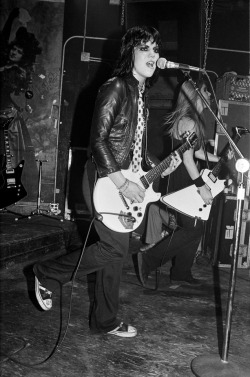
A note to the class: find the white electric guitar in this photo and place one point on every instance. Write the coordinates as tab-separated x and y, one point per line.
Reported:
188	200
115	210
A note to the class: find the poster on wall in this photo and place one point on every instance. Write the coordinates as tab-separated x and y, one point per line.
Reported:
30	62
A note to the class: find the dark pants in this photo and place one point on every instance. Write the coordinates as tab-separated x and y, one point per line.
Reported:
106	257
182	247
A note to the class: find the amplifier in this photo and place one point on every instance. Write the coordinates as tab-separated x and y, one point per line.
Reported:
233	88
227	233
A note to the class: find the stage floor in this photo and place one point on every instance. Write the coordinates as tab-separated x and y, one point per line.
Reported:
175	323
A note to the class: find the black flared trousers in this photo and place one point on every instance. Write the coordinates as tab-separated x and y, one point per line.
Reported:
105	257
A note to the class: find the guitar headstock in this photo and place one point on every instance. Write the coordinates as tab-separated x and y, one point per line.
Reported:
241	130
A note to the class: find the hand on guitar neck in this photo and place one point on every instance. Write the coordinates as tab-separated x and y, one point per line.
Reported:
132	190
189	200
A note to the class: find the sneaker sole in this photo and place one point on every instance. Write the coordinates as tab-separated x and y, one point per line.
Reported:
38	296
123	334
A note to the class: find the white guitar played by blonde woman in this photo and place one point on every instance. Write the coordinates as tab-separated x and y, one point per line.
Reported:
188	200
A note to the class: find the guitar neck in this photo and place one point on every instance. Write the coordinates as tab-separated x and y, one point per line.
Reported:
9	167
154	173
223	158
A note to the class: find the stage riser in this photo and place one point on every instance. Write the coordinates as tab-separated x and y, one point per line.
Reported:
25	241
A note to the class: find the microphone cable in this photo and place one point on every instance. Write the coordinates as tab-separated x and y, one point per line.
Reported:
58	341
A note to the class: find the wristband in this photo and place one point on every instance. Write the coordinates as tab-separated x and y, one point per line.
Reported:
124	186
198	182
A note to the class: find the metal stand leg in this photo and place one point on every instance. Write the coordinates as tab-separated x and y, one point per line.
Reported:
213	365
6	210
39	211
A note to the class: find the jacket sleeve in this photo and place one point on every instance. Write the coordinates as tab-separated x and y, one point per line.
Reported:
107	107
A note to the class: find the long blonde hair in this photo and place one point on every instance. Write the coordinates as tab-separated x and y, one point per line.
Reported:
186	107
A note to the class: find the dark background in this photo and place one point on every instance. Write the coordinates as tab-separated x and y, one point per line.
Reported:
182	26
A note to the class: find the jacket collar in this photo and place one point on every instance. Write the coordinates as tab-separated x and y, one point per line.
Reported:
134	82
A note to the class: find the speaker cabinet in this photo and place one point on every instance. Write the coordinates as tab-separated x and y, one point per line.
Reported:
221	232
234	114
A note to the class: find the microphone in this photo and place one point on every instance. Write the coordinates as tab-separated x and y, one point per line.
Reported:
162	63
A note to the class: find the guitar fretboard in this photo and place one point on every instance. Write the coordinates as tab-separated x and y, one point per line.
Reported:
154	173
9	167
223	159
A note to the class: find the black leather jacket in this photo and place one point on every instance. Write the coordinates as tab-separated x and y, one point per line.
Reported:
114	124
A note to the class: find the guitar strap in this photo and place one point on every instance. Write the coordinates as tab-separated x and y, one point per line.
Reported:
147	161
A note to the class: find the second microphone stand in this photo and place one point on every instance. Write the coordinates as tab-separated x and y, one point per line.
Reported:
39	211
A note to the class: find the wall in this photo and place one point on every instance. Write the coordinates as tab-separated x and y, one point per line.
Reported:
40	113
229	37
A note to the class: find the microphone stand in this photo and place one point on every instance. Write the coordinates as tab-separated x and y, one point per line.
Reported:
214	365
215	117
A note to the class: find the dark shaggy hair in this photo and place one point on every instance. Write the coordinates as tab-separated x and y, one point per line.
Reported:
133	37
30	45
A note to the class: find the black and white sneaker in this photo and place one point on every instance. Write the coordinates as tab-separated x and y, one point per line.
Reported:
43	295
